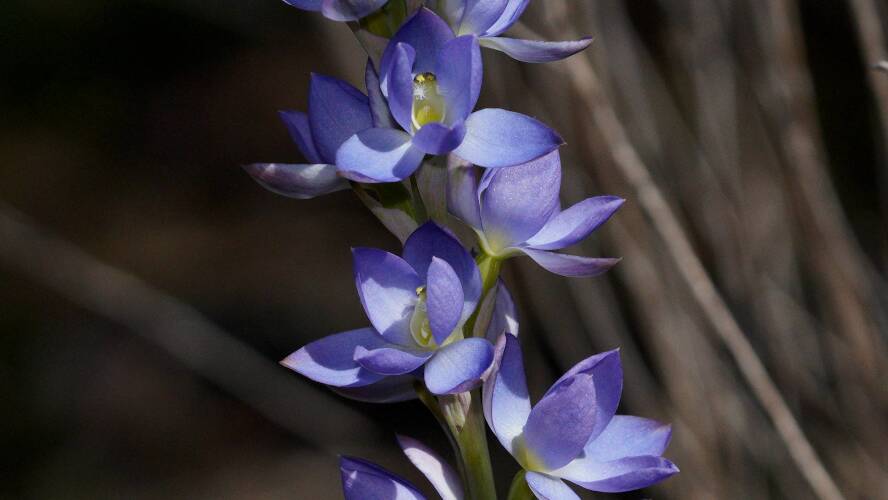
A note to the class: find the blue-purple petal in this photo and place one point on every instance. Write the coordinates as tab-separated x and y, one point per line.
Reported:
431	240
458	367
379	110
444	479
362	480
459	71
336	111
387	288
546	487
444	299
575	223
462	194
297	181
479	15
506	401
400	86
378	155
559	426
500	138
330	360
607	373
536	51
313	5
439	139
426	33
390	359
509	17
572	266
621	475
300	132
349	10
628	436
388	390
505	316
518	201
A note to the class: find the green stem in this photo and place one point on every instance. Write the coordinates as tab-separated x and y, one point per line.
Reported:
519	489
471	438
490	270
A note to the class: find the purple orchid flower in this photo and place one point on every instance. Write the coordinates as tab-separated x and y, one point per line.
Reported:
362	480
488	19
573	433
517	210
339	10
432	80
417	305
336	111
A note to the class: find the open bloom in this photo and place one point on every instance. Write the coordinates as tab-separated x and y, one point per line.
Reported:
362	480
339	10
417	305
432	80
488	19
517	210
336	111
573	433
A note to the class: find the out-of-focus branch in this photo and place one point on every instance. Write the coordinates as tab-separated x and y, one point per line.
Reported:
175	327
875	52
607	128
849	280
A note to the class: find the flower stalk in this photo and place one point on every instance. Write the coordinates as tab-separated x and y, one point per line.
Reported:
519	489
471	439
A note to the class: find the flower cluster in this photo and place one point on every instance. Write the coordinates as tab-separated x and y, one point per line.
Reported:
464	190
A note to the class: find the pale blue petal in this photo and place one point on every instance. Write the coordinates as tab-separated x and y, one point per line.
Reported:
314	5
444	299
628	436
572	266
400	86
330	360
443	478
336	111
458	367
390	359
439	139
362	480
297	181
378	155
459	71
607	373
509	17
379	109
426	33
462	193
506	401
500	138
559	426
516	202
575	223
625	474
387	288
300	131
479	15
546	487
431	240
535	51
350	10
388	390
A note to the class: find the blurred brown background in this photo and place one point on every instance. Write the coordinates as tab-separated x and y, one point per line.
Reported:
149	286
